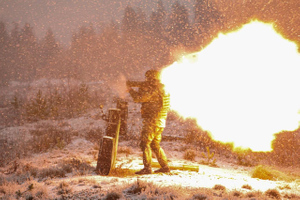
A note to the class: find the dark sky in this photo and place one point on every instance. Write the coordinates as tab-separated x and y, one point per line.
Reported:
65	16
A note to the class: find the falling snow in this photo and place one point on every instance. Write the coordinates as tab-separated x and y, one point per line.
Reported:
61	59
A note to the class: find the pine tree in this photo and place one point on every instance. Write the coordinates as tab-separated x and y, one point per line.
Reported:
37	107
28	54
14	53
158	20
49	45
158	48
110	49
179	24
207	17
49	50
4	55
141	22
129	22
83	47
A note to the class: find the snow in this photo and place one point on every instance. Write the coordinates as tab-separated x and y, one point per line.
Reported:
88	184
231	176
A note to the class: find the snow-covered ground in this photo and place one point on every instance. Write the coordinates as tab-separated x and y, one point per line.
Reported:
231	176
78	184
47	175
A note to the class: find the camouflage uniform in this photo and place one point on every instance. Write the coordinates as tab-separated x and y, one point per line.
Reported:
155	105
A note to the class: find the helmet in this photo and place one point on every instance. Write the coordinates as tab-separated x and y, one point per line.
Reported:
152	74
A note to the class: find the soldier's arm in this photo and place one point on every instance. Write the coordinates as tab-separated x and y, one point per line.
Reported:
142	95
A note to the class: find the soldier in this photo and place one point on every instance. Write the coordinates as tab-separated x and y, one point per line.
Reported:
155	105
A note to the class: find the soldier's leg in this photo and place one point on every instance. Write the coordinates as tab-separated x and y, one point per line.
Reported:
159	152
146	138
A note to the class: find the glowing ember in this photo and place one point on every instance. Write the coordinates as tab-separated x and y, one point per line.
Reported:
242	88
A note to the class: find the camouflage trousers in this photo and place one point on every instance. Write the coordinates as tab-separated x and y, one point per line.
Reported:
150	141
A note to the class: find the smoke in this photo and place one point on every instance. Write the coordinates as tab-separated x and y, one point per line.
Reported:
119	86
243	87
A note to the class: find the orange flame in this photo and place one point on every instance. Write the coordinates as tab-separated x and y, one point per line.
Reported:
243	88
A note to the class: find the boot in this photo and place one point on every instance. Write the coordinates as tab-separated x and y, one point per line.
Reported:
163	170
144	171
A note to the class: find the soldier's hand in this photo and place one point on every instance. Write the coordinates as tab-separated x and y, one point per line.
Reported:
128	88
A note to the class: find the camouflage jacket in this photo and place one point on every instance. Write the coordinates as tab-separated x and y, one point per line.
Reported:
155	102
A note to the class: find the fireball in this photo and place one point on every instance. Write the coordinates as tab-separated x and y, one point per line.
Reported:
243	87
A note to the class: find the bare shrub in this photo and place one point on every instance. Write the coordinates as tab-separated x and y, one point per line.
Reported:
2	180
18	177
291	196
81	167
28	168
67	166
247	186
199	197
51	172
8	190
12	113
113	196
126	150
35	190
273	193
49	137
285	187
236	193
209	158
184	148
136	188
253	194
189	154
42	193
245	157
94	135
219	187
28	190
263	172
267	173
89	181
147	190
286	148
12	150
64	188
190	137
6	152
